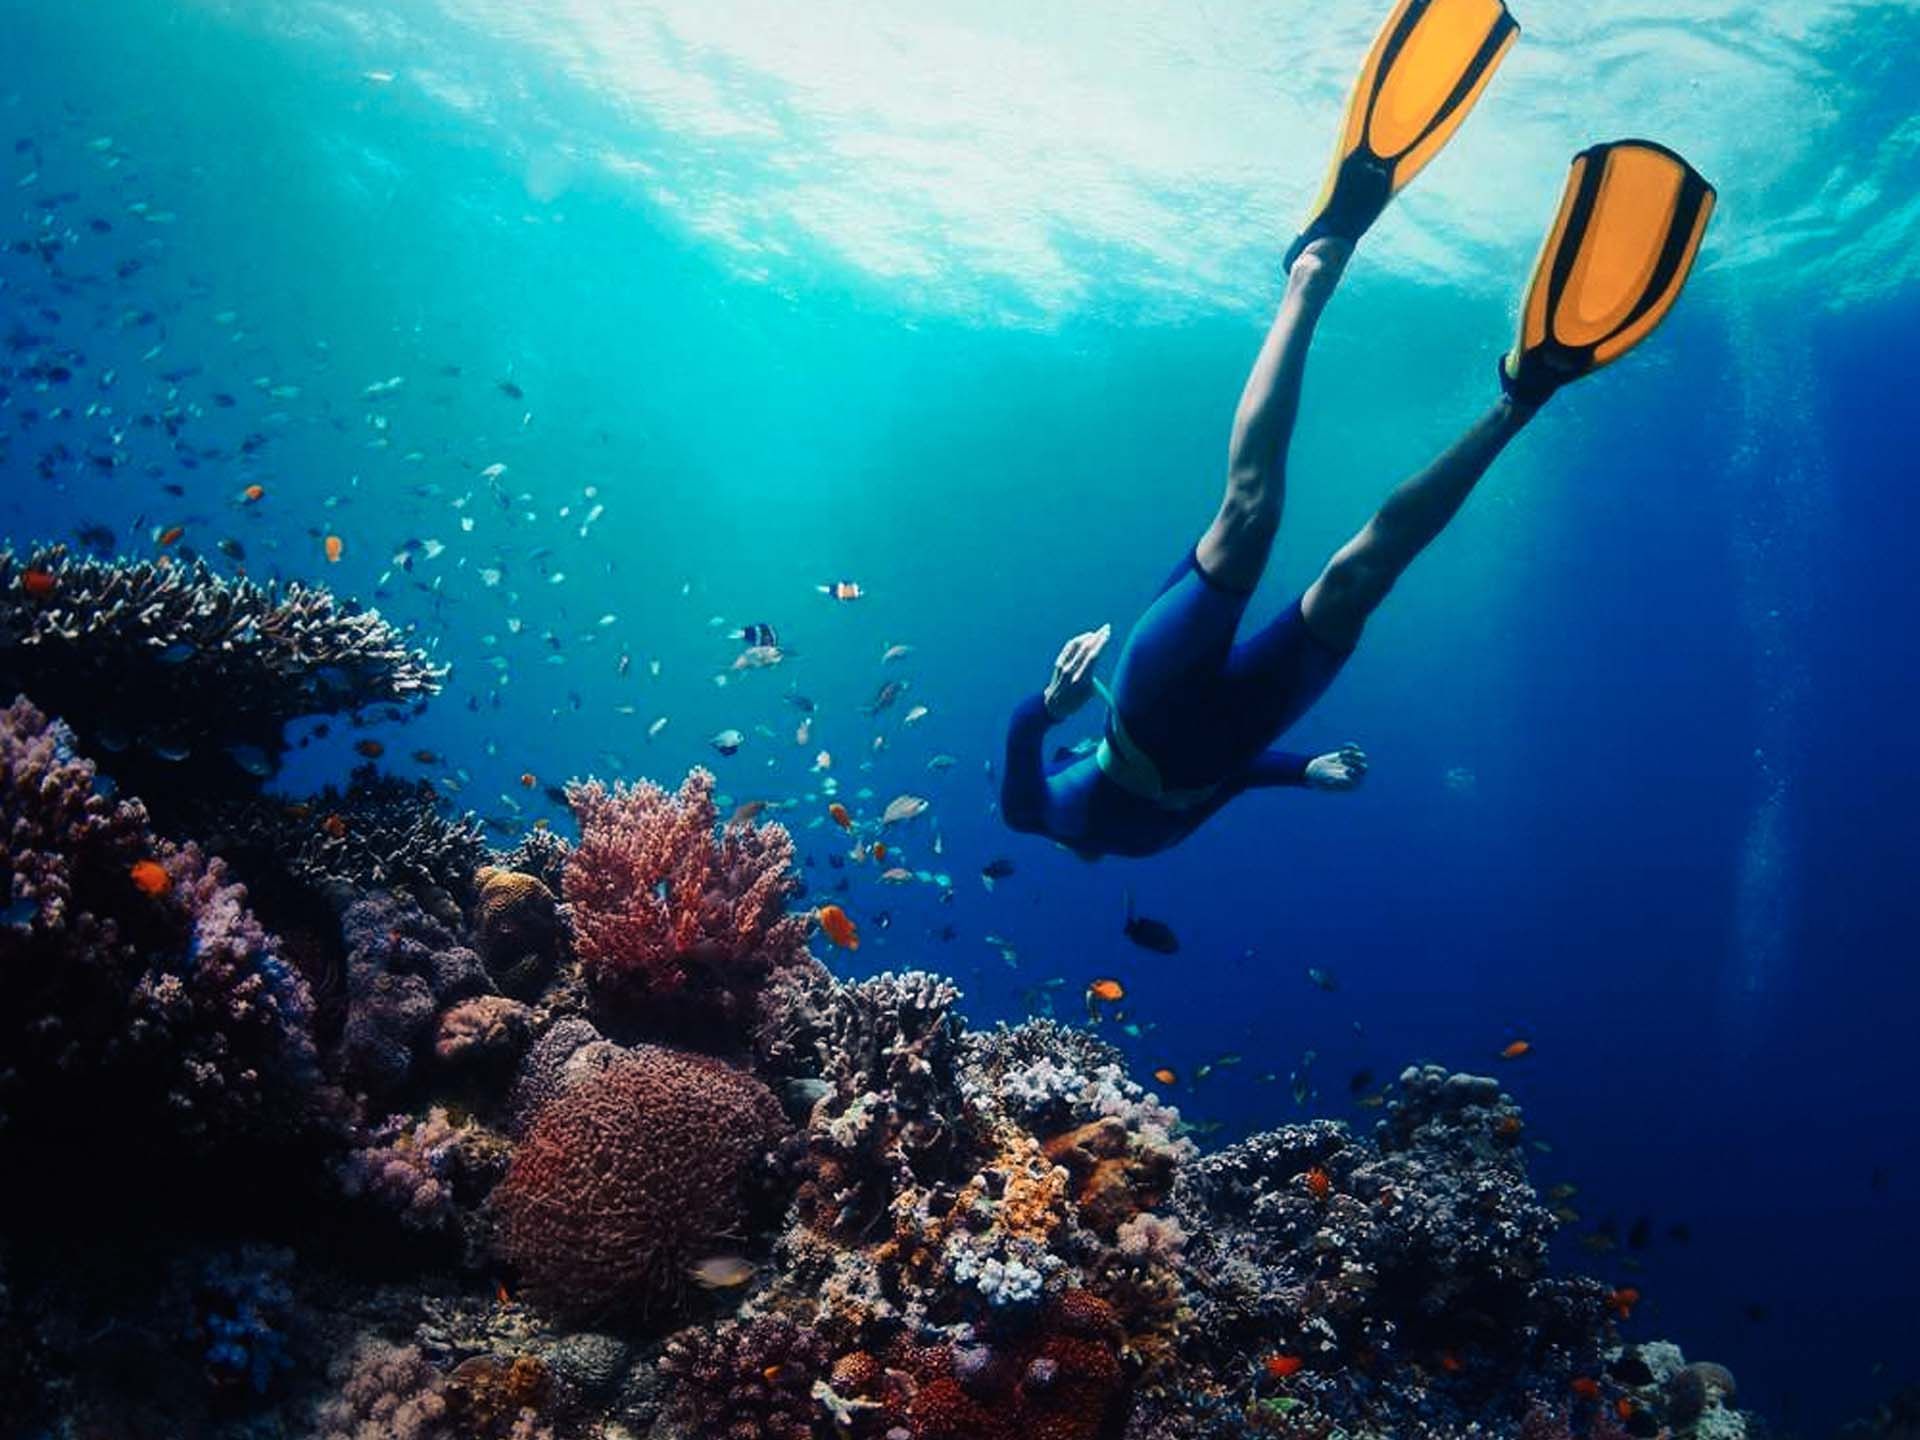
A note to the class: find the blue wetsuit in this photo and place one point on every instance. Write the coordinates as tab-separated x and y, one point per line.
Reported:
1201	707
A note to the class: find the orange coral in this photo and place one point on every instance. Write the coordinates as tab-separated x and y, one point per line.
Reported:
487	1395
1113	1178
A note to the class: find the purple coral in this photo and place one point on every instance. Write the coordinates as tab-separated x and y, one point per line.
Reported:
384	1392
137	972
406	1167
402	965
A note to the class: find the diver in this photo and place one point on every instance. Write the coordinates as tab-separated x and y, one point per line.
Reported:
1194	710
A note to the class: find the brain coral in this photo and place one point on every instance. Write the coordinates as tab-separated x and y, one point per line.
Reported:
629	1176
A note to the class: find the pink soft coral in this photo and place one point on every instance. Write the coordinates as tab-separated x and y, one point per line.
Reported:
674	919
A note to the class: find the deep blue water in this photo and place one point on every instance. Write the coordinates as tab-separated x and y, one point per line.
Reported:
1645	769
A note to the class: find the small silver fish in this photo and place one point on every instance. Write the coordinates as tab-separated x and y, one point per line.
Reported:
721	1272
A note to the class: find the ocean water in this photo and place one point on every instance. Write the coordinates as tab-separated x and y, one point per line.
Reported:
954	303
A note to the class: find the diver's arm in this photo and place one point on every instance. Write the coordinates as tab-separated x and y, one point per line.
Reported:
1023	778
1274	768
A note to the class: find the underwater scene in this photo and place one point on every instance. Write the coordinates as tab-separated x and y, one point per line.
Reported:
732	720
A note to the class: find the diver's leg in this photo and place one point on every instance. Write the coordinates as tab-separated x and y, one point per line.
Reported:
1357	579
1233	552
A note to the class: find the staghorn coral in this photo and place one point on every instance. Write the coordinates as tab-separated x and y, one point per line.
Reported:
187	679
517	929
628	1176
169	1002
745	1380
384	1392
677	923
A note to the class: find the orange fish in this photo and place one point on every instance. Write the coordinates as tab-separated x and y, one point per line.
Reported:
149	879
840	815
38	584
1516	1049
880	850
839	926
1509	1125
253	494
843	590
1586	1387
528	780
1624	1407
1622	1301
1167	1075
372	749
1279	1367
1108	989
335	826
335	548
170	534
500	1292
1451	1362
1319	1183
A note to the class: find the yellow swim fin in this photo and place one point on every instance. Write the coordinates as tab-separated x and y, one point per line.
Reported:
1427	67
1630	225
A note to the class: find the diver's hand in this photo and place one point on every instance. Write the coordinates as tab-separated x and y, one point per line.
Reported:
1072	680
1344	769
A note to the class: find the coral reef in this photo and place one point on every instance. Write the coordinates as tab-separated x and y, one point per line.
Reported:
678	923
746	1379
185	680
1425	1249
888	1229
242	1301
402	967
407	1168
381	833
517	928
384	1392
138	979
486	1033
630	1175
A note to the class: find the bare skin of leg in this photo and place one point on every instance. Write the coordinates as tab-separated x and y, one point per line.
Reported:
1357	579
1233	553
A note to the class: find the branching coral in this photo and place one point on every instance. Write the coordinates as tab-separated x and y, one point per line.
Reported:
382	832
676	922
185	678
630	1175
